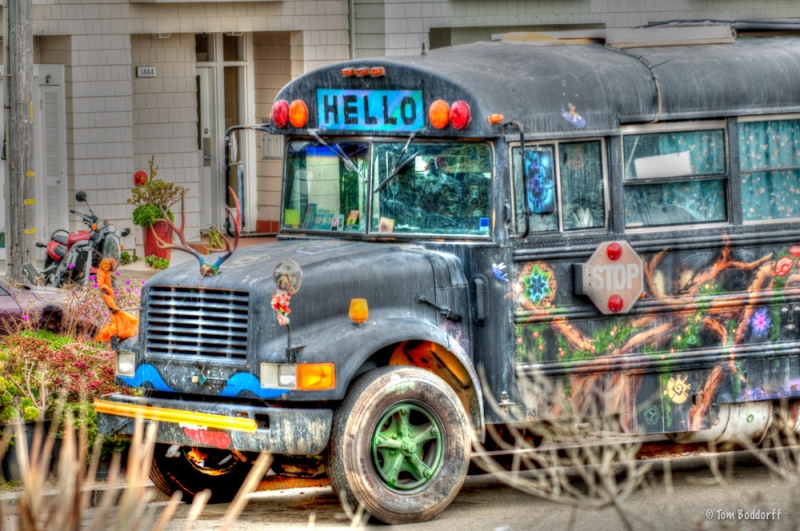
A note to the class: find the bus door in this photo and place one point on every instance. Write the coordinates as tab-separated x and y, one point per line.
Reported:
560	216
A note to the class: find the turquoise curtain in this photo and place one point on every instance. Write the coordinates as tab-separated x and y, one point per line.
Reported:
769	154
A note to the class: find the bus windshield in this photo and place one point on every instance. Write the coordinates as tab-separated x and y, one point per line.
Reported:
441	188
417	188
325	186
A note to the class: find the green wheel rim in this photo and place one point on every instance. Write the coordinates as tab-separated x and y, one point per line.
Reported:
407	447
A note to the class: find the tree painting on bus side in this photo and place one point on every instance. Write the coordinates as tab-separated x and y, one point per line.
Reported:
541	184
734	307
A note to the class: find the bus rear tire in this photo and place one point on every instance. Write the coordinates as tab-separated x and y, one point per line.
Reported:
400	446
193	470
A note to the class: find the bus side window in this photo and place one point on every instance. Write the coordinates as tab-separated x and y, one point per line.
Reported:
675	178
565	188
536	191
769	158
583	195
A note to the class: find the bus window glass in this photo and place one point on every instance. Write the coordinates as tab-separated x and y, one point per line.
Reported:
675	178
577	177
769	155
582	185
321	193
442	188
539	194
674	154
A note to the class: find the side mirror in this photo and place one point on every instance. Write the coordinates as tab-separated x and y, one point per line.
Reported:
80	196
125	232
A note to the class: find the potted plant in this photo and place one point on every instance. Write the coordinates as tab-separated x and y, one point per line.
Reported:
153	198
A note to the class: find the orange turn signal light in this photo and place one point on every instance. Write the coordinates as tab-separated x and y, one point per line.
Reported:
316	376
362	71
348	71
359	310
377	71
298	113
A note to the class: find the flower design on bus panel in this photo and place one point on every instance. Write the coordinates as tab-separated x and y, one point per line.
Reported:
537	285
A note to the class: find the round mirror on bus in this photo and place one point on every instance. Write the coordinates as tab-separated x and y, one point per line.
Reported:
80	196
288	276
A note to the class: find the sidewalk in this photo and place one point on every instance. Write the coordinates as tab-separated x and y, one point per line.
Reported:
140	271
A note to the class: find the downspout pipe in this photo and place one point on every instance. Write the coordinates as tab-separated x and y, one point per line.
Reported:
351	23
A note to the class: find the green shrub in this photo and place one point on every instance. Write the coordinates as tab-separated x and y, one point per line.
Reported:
156	262
152	196
146	215
127	258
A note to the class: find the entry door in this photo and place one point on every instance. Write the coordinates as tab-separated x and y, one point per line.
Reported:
207	158
50	152
3	185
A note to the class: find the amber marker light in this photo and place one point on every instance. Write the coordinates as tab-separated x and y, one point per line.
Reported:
459	115
362	71
359	310
495	119
439	114
377	71
348	71
298	113
316	376
280	113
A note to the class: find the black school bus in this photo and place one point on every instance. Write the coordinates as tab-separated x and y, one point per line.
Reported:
621	221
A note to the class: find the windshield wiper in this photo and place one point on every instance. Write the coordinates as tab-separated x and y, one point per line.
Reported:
348	163
400	165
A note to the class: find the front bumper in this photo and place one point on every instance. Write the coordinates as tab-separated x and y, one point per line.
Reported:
245	428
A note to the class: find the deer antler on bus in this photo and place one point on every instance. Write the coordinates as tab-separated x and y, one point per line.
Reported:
205	268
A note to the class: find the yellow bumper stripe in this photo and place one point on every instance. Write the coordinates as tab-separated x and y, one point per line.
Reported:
177	416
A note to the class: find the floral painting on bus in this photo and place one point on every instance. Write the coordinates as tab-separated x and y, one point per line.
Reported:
714	327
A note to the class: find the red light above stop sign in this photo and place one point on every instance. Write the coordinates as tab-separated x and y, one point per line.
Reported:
613	278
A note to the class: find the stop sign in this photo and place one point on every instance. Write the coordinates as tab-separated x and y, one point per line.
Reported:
614	277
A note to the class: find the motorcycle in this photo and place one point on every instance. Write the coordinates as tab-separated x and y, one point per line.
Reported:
74	256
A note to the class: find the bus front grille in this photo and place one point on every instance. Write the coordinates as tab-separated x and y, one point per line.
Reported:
197	322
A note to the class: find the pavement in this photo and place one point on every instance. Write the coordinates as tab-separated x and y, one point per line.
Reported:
139	270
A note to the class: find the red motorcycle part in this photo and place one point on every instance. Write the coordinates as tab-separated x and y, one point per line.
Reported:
78	236
56	250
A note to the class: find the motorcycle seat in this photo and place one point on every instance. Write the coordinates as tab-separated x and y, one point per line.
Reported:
60	238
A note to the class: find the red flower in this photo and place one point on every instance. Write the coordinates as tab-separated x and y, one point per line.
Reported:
783	266
139	178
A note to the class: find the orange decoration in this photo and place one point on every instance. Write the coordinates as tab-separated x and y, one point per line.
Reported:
123	325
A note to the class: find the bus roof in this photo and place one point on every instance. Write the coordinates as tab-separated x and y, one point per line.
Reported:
572	90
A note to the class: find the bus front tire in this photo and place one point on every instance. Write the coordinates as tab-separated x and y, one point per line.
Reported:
400	446
193	470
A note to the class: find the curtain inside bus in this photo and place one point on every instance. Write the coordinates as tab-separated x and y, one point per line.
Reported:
769	158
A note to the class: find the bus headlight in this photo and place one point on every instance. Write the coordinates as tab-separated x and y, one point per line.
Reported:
126	363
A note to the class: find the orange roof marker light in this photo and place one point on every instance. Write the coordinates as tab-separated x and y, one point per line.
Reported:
439	114
298	113
362	71
377	71
495	119
460	115
359	311
349	71
280	114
